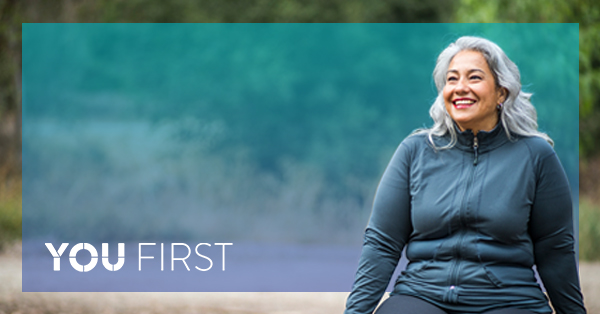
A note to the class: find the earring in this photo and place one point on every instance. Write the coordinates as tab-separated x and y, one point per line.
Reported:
499	106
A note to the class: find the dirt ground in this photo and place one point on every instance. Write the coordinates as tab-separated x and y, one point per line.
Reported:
14	301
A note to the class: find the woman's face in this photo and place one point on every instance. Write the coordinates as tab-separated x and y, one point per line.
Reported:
470	93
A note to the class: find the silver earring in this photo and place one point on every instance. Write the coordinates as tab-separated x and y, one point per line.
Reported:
499	107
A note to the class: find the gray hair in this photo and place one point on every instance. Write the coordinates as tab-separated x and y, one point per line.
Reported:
518	116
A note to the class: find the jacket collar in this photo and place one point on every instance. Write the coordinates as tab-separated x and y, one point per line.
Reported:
486	140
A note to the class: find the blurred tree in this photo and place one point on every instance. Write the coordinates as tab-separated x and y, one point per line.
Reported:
13	13
325	95
10	89
265	11
584	12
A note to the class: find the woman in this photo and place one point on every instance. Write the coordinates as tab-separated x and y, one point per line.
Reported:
477	200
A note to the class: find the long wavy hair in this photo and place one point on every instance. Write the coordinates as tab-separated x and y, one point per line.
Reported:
518	116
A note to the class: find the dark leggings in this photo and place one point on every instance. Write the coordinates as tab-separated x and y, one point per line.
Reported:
403	304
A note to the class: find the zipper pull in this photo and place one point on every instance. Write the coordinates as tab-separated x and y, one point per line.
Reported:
475	147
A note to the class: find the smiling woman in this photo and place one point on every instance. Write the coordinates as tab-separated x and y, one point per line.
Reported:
477	201
471	95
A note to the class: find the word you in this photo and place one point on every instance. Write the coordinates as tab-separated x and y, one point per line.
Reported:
56	254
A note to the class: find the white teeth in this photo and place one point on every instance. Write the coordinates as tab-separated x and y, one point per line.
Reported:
464	102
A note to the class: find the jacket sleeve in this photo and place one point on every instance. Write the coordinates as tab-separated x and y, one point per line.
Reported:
551	230
385	236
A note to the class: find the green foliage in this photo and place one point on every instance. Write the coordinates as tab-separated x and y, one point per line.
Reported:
10	51
584	12
265	11
225	118
589	87
10	212
298	120
10	89
589	230
336	97
339	118
14	13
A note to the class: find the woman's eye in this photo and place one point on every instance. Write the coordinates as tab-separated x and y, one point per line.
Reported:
452	78
475	77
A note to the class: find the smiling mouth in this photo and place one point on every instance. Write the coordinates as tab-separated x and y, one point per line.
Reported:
463	103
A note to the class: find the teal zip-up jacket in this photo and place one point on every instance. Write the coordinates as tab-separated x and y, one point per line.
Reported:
474	219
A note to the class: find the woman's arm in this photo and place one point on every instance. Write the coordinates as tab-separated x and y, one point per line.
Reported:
386	234
551	230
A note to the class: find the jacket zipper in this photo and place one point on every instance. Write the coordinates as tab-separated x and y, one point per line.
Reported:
475	149
452	294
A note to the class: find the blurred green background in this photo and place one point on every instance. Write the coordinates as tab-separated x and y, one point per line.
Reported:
586	13
259	132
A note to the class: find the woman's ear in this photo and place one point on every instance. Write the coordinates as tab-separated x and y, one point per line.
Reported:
503	95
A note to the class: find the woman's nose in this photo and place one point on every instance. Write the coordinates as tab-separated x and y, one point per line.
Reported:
461	86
